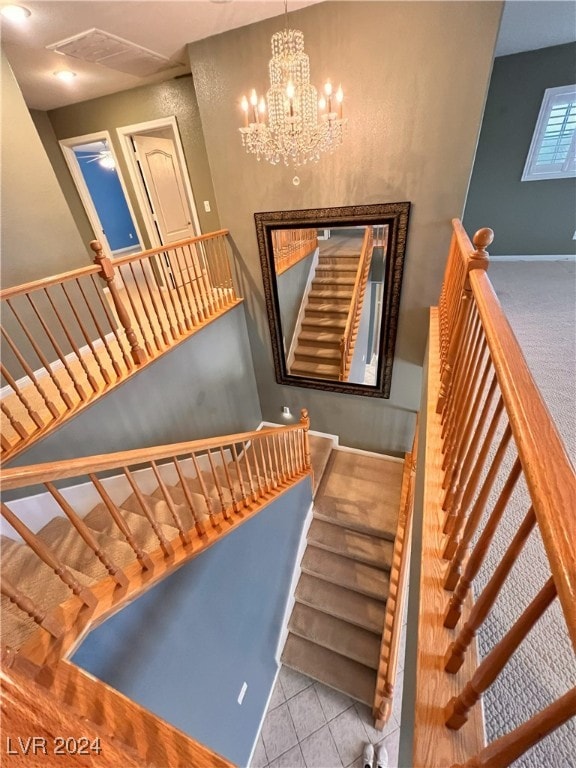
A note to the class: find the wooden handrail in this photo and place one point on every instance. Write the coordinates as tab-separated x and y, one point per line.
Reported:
357	300
549	473
46	282
170	246
18	477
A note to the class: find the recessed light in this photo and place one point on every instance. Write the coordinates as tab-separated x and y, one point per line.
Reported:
15	12
65	74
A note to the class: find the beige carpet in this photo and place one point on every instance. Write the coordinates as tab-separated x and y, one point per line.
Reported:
540	301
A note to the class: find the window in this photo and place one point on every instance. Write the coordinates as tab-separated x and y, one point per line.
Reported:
552	153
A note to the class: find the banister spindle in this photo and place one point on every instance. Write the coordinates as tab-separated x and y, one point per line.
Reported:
99	329
457	709
128	362
207	498
249	473
218	486
107	274
235	506
14	423
479	552
164	543
172	291
267	480
87	338
184	536
236	460
21	396
484	603
39	548
198	524
87	535
28	606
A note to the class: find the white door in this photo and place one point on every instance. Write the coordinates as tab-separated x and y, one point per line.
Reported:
163	179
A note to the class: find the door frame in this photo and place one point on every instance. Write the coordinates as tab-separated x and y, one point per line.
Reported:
125	134
67	147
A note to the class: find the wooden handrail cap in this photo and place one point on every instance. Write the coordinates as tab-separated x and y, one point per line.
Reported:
483	238
96	246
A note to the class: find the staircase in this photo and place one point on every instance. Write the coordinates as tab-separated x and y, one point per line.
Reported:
336	627
317	351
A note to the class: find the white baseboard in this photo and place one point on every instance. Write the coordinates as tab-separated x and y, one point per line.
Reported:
57	365
552	257
265	424
362	452
263	716
293	583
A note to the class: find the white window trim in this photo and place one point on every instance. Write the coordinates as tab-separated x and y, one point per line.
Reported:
530	173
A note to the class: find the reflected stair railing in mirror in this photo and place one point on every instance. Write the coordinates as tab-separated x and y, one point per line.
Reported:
71	338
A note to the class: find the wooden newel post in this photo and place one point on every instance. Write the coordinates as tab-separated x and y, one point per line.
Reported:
107	274
479	258
305	422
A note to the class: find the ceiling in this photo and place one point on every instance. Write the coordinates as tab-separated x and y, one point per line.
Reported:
166	26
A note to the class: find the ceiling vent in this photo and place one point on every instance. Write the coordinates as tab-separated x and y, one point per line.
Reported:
113	52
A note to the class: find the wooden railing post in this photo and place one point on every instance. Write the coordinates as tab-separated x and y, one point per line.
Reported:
107	274
305	421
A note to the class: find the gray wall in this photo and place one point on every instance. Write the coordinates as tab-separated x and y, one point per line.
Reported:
528	217
414	94
203	387
139	105
185	648
39	237
291	285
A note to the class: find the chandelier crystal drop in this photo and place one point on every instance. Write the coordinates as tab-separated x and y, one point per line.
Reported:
300	126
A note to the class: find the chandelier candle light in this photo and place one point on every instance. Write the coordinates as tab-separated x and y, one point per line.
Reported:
300	126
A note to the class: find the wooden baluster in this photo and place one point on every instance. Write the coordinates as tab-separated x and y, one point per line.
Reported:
273	472
206	250
101	334
112	323
508	748
289	464
484	603
457	709
22	397
87	338
249	473
290	438
142	557
258	472
194	282
189	316
219	272
164	543
25	604
198	524
267	480
5	444
204	279
454	570
107	274
184	536
62	357
136	312
145	268
465	439
479	553
16	426
91	380
217	483
471	476
87	535
245	500
278	458
235	506
155	266
40	549
459	363
172	290
146	309
31	375
205	493
227	269
66	399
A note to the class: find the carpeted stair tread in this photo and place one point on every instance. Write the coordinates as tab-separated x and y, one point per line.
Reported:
344	572
339	636
322	370
326	308
180	498
66	543
342	603
332	324
332	669
339	295
320	338
373	506
343	541
100	520
320	450
160	510
316	353
324	281
17	626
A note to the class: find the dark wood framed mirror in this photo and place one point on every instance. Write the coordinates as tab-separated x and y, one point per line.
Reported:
332	280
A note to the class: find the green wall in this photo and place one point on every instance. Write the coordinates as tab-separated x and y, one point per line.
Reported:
528	217
139	105
414	94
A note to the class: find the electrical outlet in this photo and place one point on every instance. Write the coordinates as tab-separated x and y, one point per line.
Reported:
207	206
242	692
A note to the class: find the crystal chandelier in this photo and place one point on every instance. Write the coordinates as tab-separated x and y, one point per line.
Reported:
300	126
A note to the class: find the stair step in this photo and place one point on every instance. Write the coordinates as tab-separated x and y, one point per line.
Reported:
321	338
332	669
348	543
334	324
324	371
336	270
339	636
65	542
330	294
316	354
344	572
160	510
322	281
100	520
342	603
333	309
